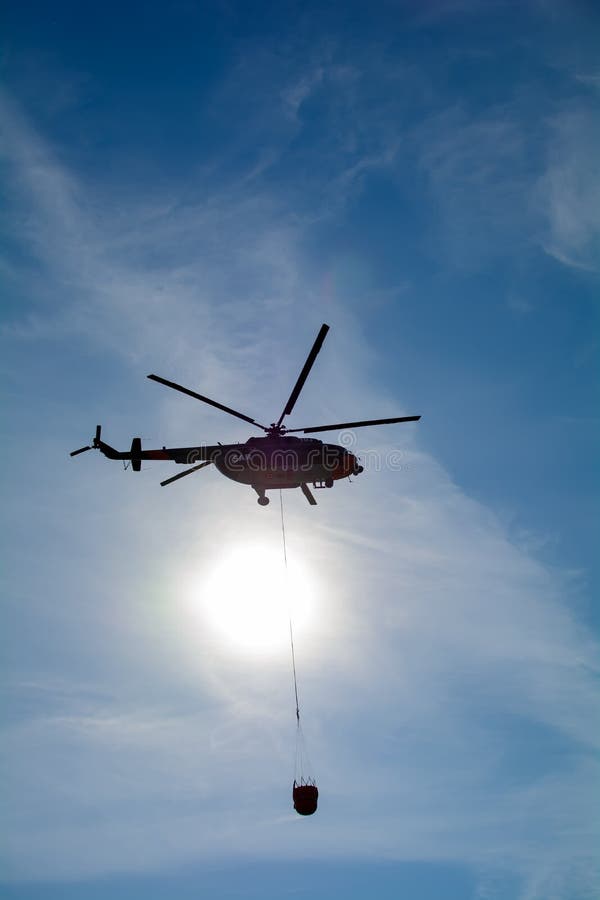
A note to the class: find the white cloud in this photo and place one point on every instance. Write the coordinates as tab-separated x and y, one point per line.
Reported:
480	186
570	190
591	79
295	95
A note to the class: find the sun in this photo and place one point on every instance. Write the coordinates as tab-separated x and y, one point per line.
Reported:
247	597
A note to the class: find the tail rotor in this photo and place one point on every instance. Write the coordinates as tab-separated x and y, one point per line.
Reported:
93	446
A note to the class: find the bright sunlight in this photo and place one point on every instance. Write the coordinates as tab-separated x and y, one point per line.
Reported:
248	597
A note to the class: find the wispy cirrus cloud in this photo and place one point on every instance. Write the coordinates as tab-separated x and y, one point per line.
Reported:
570	190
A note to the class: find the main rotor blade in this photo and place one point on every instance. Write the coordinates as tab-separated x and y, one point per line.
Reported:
227	409
354	424
305	372
81	450
183	474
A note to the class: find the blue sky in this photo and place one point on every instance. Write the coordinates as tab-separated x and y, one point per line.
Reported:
192	189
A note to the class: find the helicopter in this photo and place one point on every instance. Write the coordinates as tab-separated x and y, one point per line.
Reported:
273	462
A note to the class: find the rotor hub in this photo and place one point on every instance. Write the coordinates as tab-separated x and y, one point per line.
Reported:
275	430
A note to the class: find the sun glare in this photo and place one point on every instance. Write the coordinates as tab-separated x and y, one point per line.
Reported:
248	595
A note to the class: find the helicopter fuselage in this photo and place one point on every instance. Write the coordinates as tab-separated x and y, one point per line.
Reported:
285	462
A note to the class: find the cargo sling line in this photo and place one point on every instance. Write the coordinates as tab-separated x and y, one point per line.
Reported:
290	612
305	792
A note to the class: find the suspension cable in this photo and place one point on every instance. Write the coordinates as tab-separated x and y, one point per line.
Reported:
289	610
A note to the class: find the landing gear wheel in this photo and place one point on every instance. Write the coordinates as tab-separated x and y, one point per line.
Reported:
263	501
329	482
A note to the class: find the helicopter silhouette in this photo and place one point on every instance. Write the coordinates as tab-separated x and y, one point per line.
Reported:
277	460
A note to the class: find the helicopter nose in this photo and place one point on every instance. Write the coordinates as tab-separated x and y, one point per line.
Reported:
356	467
